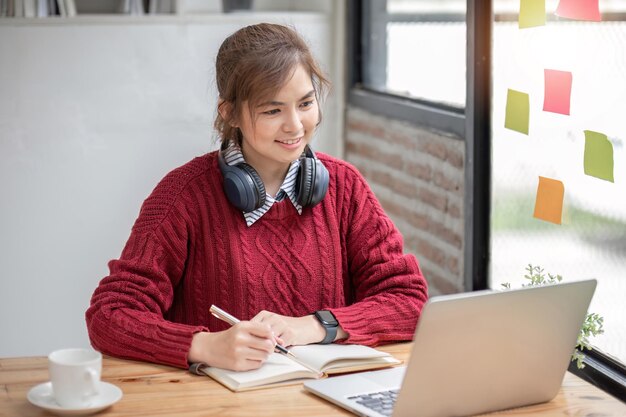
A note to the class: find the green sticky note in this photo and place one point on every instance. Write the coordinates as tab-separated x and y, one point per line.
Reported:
598	156
532	13
517	111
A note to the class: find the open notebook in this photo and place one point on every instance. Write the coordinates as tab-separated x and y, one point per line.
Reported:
314	361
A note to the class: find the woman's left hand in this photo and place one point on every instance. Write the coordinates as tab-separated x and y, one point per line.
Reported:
292	330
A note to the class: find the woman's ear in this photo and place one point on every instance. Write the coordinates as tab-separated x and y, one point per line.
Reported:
225	109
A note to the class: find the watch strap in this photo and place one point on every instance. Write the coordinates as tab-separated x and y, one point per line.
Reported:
331	329
331	334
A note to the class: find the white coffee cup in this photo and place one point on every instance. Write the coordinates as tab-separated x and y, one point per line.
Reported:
75	376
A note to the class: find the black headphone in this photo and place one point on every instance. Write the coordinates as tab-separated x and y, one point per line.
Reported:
245	189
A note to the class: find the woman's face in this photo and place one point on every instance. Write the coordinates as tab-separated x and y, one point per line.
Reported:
282	126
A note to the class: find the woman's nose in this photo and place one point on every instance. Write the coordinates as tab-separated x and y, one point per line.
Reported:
293	122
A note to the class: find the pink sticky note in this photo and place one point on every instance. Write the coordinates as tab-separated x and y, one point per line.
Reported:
579	10
557	91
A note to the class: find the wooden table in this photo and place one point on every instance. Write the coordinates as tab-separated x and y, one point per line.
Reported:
154	390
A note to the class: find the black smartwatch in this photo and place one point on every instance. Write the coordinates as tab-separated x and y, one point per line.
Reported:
330	324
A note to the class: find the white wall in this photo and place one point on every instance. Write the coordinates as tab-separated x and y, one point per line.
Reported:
93	112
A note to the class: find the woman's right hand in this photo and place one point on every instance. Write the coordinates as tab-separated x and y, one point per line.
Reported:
243	347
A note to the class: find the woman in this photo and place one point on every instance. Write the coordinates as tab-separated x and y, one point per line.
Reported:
295	245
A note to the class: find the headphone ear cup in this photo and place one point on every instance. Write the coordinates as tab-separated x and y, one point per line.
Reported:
259	187
319	186
304	184
242	185
312	183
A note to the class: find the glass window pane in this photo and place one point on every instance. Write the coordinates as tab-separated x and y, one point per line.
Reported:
426	6
591	241
417	49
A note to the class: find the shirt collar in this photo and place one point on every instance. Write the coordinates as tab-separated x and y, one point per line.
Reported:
234	156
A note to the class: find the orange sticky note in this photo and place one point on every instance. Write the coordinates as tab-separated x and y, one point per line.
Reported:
549	202
557	91
579	10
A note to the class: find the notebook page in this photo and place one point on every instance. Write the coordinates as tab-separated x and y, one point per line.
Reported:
320	356
272	370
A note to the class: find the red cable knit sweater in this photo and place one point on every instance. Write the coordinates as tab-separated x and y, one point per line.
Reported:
190	248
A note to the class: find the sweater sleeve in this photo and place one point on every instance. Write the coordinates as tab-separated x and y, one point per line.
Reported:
389	288
126	317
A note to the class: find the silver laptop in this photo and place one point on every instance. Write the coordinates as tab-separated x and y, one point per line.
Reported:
474	353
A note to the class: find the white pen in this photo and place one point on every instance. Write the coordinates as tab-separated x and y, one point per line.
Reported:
224	316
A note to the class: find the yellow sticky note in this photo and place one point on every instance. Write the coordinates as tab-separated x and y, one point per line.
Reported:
549	202
532	13
517	111
598	156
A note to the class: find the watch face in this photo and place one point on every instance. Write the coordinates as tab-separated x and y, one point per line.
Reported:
326	317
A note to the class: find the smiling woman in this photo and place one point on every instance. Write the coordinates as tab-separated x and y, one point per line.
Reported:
261	71
293	243
275	133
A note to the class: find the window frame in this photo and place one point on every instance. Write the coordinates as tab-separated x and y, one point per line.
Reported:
603	371
453	121
438	116
472	125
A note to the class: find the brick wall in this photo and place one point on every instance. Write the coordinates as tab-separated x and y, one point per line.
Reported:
417	176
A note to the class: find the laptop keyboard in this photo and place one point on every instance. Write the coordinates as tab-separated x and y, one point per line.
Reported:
382	402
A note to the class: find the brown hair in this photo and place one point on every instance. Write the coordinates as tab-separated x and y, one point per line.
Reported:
253	64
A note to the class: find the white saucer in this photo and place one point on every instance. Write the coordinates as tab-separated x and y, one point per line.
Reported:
41	396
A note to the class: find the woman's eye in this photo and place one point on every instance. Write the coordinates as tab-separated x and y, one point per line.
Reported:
307	103
271	112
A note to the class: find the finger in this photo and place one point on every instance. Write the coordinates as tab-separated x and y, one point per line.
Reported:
254	354
264	330
261	330
266	346
247	346
279	341
264	343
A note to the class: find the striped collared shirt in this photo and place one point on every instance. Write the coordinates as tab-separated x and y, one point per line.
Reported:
234	156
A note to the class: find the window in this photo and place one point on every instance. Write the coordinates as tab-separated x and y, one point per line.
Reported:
413	61
417	49
503	166
591	241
